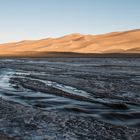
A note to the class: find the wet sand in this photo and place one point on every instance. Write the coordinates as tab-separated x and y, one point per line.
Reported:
25	123
70	98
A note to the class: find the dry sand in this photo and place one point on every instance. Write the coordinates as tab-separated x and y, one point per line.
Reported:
116	42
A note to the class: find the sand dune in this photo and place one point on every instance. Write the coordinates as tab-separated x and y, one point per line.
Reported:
116	42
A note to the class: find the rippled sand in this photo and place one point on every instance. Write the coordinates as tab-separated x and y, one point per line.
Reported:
80	97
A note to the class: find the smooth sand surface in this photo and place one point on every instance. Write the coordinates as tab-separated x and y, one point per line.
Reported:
116	42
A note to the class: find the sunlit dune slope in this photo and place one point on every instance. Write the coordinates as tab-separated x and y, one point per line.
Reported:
116	42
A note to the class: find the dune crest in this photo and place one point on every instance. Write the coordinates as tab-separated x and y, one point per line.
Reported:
115	42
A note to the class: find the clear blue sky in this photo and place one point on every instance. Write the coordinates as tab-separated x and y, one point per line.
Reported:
34	19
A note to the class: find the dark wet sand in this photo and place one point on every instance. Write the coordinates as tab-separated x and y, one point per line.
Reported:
25	123
34	54
70	98
2	137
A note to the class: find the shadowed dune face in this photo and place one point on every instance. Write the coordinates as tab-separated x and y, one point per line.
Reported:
116	42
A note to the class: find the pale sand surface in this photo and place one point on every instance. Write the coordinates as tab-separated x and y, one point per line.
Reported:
116	42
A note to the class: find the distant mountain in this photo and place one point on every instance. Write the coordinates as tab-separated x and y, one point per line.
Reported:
116	42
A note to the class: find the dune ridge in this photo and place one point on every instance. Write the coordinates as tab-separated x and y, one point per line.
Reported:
115	42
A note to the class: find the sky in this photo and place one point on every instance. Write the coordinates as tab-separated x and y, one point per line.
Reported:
36	19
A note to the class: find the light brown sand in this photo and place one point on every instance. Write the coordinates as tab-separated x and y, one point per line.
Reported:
116	42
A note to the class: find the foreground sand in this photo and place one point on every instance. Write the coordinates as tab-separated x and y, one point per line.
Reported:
2	137
102	101
25	123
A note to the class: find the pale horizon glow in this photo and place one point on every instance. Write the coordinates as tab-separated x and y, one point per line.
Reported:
37	19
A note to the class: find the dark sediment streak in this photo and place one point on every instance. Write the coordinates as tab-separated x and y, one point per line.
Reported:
34	54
